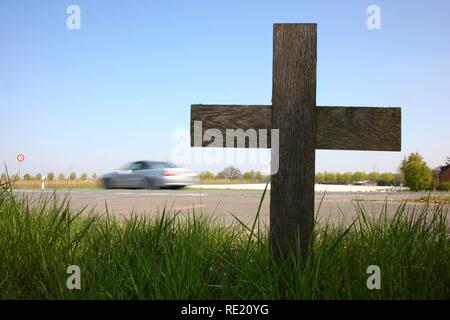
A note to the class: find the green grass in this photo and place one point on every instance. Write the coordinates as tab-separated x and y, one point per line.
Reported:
435	199
444	186
196	257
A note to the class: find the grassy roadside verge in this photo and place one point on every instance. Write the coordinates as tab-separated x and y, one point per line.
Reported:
196	257
435	199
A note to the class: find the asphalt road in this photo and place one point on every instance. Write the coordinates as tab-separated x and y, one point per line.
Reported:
223	203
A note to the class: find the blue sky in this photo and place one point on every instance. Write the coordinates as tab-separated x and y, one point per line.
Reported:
116	90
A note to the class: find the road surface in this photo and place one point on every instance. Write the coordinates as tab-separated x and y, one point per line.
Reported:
223	203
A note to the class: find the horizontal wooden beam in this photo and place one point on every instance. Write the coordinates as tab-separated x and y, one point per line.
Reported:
343	128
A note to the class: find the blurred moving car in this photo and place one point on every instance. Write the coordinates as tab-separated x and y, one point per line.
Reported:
149	175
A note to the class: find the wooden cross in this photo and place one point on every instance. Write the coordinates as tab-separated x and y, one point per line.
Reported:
303	127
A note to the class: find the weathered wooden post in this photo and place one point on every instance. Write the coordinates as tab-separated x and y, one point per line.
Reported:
294	114
302	128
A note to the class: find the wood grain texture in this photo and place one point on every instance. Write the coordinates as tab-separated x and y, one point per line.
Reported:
344	128
293	111
359	128
230	117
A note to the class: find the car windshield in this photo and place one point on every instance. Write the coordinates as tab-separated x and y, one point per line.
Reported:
153	165
126	167
170	165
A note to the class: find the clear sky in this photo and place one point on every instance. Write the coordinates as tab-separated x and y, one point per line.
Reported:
118	88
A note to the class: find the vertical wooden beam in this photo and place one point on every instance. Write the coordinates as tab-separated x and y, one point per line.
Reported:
293	113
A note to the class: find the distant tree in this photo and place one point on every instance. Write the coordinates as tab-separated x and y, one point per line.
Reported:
333	177
206	175
374	176
38	176
73	176
398	179
347	178
94	175
344	178
435	177
259	176
359	176
232	173
387	178
61	176
84	176
15	177
417	175
249	175
3	177
330	177
50	176
220	175
27	176
319	177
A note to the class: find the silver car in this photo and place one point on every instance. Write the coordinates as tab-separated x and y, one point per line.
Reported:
149	175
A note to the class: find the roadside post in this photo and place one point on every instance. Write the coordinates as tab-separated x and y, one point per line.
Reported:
20	158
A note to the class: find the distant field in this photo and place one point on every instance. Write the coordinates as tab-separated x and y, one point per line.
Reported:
96	183
58	184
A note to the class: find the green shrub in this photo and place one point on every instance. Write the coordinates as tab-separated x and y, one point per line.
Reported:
444	186
248	175
206	175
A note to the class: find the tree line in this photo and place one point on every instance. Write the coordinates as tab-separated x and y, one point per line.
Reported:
51	176
413	173
382	179
233	173
385	178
